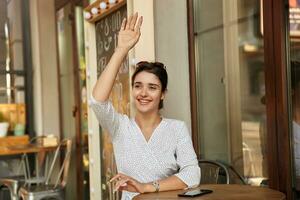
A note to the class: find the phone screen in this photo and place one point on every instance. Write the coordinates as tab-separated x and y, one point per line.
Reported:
196	192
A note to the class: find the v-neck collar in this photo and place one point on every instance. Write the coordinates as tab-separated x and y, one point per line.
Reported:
154	132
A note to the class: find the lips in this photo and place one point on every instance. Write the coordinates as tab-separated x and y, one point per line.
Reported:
144	101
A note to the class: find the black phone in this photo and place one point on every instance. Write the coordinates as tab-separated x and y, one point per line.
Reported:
194	193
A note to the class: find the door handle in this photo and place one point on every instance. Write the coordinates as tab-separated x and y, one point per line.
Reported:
74	111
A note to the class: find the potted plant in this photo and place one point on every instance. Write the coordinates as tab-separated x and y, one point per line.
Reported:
3	126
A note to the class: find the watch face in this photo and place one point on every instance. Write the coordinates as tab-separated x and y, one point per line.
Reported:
156	185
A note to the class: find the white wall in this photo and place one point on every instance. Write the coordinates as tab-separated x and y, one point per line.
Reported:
171	48
164	38
45	81
144	49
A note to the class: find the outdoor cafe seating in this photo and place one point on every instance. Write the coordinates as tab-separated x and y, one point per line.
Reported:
47	165
216	172
49	188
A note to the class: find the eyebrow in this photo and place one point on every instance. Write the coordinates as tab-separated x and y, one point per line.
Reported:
151	84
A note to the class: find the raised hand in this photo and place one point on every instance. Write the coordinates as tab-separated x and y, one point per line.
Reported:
128	36
130	32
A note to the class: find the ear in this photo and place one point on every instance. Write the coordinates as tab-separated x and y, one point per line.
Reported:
163	94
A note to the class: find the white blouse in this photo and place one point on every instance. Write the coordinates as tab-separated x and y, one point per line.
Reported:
168	152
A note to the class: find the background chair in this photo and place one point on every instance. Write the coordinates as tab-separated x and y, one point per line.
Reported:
51	189
42	160
214	172
234	176
13	182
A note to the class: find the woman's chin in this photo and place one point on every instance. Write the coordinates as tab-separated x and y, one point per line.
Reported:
144	109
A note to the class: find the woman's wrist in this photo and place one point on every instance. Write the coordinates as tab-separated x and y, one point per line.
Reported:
122	50
148	187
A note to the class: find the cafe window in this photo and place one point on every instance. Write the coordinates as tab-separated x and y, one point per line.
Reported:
230	85
13	68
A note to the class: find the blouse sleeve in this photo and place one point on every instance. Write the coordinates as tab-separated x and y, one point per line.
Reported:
107	116
189	170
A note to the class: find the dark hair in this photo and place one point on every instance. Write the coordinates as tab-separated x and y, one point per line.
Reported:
156	68
295	74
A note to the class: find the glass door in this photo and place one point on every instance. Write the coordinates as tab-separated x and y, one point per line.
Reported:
73	97
231	86
294	94
66	88
83	137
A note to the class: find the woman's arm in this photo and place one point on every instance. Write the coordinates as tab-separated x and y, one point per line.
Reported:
127	183
186	158
170	183
128	36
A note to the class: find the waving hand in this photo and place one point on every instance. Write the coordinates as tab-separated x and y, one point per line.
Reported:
128	36
130	32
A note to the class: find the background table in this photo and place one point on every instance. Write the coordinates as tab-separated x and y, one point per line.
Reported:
14	145
25	149
221	192
22	149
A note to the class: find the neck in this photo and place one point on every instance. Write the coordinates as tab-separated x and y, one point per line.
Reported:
147	120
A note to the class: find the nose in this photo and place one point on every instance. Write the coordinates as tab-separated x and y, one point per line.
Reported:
144	92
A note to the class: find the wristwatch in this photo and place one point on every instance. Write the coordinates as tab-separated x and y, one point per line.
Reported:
156	185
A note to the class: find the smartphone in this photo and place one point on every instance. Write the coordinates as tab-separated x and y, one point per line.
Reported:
194	193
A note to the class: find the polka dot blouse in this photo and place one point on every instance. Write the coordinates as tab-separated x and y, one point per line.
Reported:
169	151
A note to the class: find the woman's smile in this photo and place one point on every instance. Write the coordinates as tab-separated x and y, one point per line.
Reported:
144	101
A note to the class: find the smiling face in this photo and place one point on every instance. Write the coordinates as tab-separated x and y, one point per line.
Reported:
147	92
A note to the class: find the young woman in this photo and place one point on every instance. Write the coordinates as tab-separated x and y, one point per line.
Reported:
152	153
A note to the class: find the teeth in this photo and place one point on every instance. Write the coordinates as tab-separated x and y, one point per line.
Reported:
144	101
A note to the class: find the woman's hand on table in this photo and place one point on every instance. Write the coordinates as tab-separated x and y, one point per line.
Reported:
124	182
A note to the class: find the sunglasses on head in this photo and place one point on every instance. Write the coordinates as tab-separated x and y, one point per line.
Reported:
158	64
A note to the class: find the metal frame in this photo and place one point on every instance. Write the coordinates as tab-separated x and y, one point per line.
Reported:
218	164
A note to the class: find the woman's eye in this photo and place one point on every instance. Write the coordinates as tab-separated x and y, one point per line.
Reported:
152	88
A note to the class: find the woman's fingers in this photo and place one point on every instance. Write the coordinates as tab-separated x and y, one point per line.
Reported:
121	183
123	24
133	21
127	27
139	24
118	176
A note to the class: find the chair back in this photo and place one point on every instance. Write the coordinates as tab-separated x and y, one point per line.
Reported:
213	172
64	148
41	163
235	177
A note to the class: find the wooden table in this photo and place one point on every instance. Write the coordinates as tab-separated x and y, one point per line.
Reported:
13	141
15	145
221	192
21	149
25	149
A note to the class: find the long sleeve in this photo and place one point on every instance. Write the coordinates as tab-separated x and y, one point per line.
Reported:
107	116
189	170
